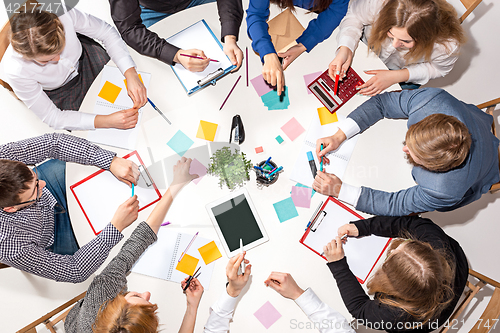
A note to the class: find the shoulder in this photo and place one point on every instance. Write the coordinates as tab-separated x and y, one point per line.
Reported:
13	63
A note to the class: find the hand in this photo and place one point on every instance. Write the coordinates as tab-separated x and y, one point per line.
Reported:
334	250
181	175
237	282
273	72
284	284
124	119
327	184
232	50
382	80
192	64
341	63
125	170
126	214
291	54
350	229
329	143
135	88
193	292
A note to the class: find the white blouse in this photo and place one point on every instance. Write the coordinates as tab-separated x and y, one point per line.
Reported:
28	79
360	17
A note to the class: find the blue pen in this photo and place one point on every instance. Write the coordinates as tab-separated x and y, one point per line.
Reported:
132	189
267	162
321	162
161	113
260	169
277	170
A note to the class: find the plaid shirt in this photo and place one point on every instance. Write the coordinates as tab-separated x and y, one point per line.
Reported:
26	234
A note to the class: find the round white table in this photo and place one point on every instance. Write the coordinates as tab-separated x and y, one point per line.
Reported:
381	166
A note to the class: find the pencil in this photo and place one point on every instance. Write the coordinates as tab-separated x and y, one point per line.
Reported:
195	57
187	248
158	110
247	63
238	80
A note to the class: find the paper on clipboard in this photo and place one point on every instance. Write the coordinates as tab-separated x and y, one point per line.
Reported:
362	253
100	194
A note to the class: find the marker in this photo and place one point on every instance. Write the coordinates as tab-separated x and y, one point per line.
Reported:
242	265
195	57
188	282
238	80
336	84
321	162
187	248
312	164
133	189
267	162
164	224
161	113
260	169
277	170
341	238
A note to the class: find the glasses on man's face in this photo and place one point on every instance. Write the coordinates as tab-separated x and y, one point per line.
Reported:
36	190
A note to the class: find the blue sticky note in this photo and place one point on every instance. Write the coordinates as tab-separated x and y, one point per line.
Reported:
279	139
300	185
274	102
285	209
180	143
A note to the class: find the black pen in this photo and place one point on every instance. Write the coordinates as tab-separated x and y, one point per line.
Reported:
190	279
161	113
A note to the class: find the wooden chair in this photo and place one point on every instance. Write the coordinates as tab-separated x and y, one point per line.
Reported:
490	315
3	266
4	43
469	5
50	323
490	107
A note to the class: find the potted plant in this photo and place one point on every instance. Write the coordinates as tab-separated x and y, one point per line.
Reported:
232	168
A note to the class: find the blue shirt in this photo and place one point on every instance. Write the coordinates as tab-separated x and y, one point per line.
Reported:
317	30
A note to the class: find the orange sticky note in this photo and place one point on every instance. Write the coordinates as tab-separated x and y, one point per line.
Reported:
325	117
125	81
109	92
206	130
209	252
187	264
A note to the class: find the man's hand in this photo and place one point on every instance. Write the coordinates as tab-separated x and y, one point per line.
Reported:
124	119
125	170
232	50
284	284
327	184
382	80
237	282
135	88
329	143
181	175
291	54
334	250
192	64
126	214
193	292
341	63
273	72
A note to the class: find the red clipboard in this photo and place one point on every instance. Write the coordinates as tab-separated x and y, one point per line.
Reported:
326	230
80	192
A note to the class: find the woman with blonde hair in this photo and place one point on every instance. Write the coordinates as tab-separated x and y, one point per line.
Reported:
417	286
52	61
418	40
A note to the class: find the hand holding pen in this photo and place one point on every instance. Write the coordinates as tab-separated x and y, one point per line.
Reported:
237	281
192	64
193	290
330	143
348	230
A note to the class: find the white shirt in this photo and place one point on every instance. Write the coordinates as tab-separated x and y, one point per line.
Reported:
327	319
360	17
349	193
28	79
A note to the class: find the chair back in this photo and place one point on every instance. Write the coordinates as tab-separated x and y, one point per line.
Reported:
4	44
490	107
469	5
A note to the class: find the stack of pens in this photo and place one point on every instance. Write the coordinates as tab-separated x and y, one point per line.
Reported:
267	172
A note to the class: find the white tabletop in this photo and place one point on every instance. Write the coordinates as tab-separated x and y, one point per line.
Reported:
381	166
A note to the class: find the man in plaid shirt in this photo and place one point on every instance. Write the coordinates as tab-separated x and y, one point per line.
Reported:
35	230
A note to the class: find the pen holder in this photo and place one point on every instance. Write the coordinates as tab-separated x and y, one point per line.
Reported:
263	180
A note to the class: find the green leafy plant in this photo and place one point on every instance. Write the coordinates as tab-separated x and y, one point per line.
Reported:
232	168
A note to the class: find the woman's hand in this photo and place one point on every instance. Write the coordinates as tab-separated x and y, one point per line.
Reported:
233	52
181	175
291	54
193	292
382	80
334	250
135	88
192	64
341	63
273	72
124	119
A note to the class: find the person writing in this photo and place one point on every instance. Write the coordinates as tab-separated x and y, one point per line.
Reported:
449	144
330	13
133	18
52	61
417	40
418	285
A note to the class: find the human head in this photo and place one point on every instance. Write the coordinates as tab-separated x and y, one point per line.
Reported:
17	184
439	142
427	22
119	315
37	34
414	277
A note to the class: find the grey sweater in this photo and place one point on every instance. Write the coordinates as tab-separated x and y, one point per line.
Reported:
110	282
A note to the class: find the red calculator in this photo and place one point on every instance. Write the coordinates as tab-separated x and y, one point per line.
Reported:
324	86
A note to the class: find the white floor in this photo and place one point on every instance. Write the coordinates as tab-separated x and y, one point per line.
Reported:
476	227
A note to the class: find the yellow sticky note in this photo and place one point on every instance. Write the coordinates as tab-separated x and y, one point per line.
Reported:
187	264
109	92
125	81
325	117
206	130
209	252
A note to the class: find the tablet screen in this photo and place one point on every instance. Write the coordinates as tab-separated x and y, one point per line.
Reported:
236	220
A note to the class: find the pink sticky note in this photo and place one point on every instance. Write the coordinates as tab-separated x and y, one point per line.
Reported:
259	150
267	315
260	85
301	196
308	78
197	168
293	129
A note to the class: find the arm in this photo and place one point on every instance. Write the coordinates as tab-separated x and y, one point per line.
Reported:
360	14
257	15
193	297
230	16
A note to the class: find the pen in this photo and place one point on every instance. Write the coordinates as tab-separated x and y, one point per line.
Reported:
277	170
312	164
187	248
321	162
267	162
341	238
188	282
161	113
195	57
133	189
314	215
242	265
336	83
260	169
238	80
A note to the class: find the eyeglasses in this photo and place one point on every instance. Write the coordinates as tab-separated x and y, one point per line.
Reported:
37	189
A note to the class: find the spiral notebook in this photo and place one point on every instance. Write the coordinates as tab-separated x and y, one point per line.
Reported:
339	158
160	259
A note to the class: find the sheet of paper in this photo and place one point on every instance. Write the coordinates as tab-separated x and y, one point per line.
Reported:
267	314
180	143
260	85
197	168
198	37
325	117
285	209
109	92
209	252
308	78
293	129
206	130
187	265
301	196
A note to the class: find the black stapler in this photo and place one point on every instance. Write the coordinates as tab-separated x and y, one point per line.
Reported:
237	130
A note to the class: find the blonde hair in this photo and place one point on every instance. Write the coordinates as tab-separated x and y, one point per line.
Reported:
119	316
37	34
439	141
427	21
417	279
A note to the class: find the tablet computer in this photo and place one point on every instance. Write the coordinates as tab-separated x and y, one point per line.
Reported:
234	217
